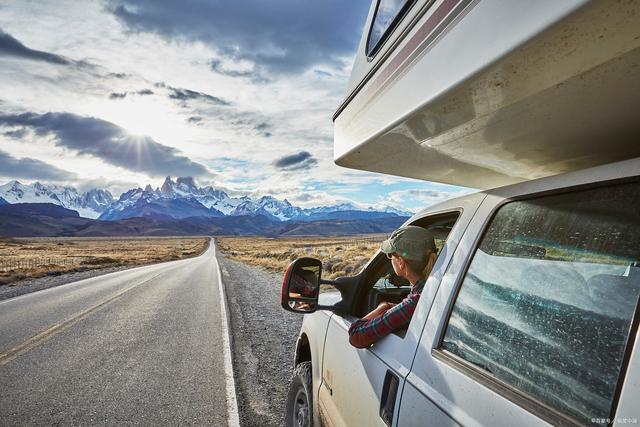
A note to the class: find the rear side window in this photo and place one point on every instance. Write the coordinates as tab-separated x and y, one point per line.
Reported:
547	303
388	14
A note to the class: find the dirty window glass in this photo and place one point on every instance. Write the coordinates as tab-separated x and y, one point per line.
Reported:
547	303
386	14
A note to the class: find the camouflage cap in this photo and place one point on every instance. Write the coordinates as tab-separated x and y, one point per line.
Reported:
411	242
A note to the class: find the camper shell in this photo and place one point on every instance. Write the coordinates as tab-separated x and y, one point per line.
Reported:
489	93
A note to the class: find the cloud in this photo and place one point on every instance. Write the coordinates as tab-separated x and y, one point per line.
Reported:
264	129
104	140
122	95
216	65
27	168
287	36
422	197
187	95
16	133
118	75
301	160
10	46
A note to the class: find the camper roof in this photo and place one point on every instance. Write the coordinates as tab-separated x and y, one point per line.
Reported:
485	94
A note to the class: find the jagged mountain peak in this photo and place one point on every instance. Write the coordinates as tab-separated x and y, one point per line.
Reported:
186	181
167	186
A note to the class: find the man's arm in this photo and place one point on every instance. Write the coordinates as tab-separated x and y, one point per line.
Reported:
381	322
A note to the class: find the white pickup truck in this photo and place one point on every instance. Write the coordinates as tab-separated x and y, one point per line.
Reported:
530	315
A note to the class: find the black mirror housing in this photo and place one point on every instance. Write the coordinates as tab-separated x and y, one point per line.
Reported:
301	285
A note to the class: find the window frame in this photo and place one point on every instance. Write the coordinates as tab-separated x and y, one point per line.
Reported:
370	54
374	266
504	389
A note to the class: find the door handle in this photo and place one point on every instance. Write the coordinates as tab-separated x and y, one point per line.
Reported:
388	398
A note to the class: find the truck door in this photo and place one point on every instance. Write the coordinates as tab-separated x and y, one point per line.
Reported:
536	317
363	386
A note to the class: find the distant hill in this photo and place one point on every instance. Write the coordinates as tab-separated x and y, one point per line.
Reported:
50	220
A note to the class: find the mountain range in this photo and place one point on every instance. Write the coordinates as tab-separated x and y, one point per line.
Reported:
178	207
179	199
89	204
50	220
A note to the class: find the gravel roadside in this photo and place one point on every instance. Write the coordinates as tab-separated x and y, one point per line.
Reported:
264	337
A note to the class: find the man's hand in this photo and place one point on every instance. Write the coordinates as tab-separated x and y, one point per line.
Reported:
379	310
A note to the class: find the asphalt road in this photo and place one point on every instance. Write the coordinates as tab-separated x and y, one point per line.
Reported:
138	347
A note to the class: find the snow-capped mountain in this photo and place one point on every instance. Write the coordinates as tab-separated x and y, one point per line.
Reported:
209	197
270	207
89	204
157	204
180	199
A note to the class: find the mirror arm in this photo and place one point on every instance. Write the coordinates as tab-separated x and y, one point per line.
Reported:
328	282
336	308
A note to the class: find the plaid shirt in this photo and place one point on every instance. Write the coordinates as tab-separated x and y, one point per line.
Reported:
363	333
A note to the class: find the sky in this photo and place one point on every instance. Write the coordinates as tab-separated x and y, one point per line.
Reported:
118	94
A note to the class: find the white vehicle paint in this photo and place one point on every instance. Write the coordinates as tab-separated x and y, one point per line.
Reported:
436	387
536	101
491	92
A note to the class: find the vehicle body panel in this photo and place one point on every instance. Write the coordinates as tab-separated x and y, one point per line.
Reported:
348	381
348	372
508	92
448	389
313	331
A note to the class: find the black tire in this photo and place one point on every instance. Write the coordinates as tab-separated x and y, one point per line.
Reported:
299	411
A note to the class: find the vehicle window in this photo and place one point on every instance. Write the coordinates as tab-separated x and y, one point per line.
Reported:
383	284
388	13
547	302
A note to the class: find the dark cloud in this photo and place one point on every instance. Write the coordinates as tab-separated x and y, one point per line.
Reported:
287	36
194	119
121	95
16	133
188	95
264	129
301	160
102	139
216	65
118	95
27	168
9	46
253	75
118	75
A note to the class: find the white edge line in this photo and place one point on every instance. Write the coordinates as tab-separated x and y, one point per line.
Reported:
233	419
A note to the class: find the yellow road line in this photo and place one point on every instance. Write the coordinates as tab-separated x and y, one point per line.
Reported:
8	355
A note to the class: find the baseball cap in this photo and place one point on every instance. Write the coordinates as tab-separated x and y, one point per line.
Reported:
409	242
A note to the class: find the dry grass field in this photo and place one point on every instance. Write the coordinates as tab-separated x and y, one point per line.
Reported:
22	258
341	256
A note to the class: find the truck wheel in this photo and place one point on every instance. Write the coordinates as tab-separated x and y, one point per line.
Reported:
300	397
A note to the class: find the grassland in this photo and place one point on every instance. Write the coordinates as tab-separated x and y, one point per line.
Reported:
23	258
341	256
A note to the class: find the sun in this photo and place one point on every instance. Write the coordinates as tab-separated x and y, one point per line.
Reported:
144	116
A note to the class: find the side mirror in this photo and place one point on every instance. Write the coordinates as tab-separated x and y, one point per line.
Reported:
301	285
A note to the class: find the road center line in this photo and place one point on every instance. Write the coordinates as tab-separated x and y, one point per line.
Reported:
233	419
8	355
